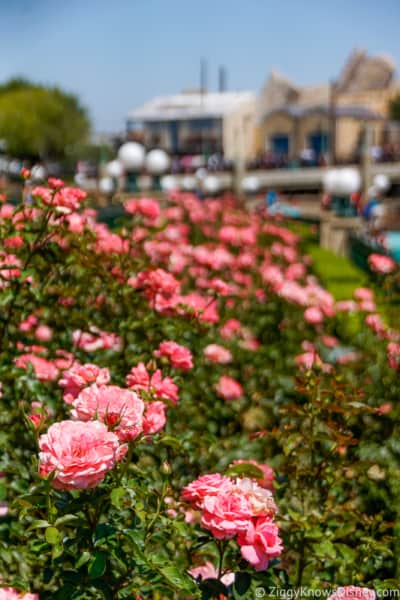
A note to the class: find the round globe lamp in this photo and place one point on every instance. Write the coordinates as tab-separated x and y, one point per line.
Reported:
157	163
131	155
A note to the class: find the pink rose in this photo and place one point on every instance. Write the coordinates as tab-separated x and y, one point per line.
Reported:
179	356
228	388
364	294
28	323
80	453
79	376
381	264
313	315
329	341
138	378
164	389
346	306
260	542
206	485
217	354
230	328
147	207
375	323
119	409
393	355
43	368
43	333
155	282
208	571
308	360
154	419
226	514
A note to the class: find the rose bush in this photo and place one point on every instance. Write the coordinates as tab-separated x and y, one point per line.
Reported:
186	412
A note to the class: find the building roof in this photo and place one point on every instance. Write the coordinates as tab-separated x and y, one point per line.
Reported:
361	73
364	73
192	105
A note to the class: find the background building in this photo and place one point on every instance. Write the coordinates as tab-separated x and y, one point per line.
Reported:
316	122
196	122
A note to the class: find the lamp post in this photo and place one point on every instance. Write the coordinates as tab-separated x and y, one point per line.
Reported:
107	186
169	183
131	156
211	185
157	163
250	185
340	184
115	170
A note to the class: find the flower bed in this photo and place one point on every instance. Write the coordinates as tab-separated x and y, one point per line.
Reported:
186	412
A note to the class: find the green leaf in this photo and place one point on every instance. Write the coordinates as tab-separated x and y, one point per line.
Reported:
176	578
169	440
53	536
97	565
83	559
246	469
38	524
325	549
66	519
116	496
242	582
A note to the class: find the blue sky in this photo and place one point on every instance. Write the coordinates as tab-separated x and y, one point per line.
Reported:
116	54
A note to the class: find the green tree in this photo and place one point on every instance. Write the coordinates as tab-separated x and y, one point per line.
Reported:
40	122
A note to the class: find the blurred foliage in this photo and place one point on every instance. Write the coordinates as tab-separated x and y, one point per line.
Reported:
40	122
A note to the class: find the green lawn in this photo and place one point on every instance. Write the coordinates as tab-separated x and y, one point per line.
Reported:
338	274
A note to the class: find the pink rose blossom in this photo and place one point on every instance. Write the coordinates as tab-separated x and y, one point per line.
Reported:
28	323
393	355
161	388
205	485
120	409
138	378
15	241
228	388
381	264
208	571
164	389
313	315
362	294
308	360
260	542
80	454
43	333
40	414
147	207
154	419
43	368
80	376
179	356
217	354
230	328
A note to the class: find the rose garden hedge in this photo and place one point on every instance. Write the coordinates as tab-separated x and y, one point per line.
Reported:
185	411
